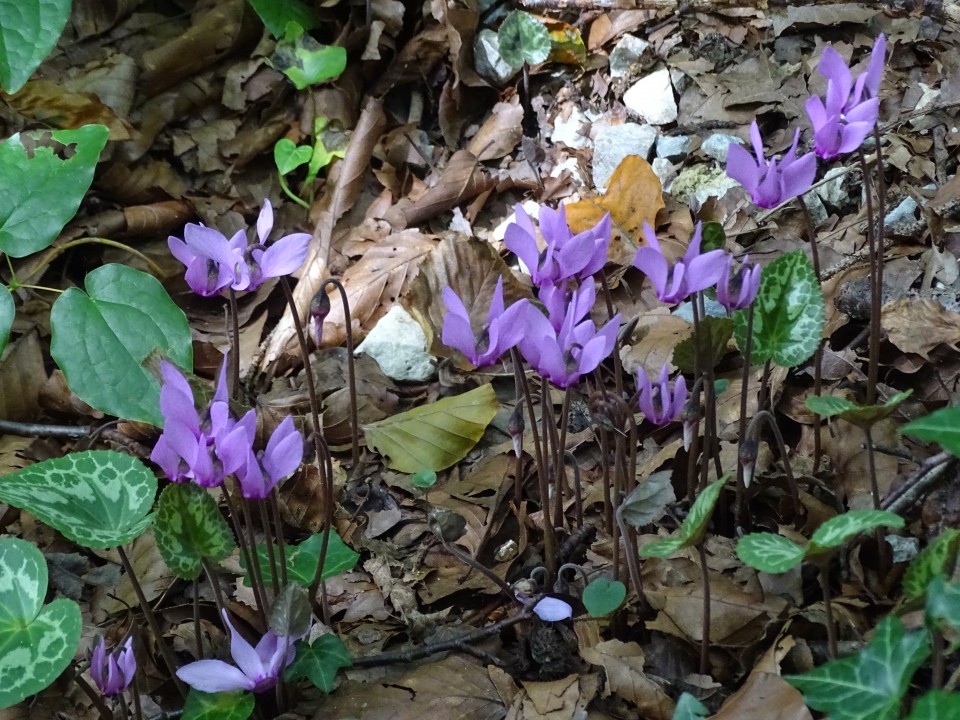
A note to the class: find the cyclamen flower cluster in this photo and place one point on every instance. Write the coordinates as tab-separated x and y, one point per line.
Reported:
207	447
214	262
113	672
564	344
840	125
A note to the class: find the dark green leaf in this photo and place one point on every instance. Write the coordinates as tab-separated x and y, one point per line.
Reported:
97	498
937	558
698	519
37	641
713	334
788	313
305	61
602	596
769	553
302	559
28	31
943	603
936	705
40	193
713	236
319	662
189	528
663	548
871	684
218	706
647	502
7	312
523	39
291	613
941	426
863	416
101	337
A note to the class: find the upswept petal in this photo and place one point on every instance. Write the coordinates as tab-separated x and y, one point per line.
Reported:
265	222
704	271
743	167
496	302
521	239
874	71
755	140
242	652
798	176
654	265
285	255
212	676
553	226
284	451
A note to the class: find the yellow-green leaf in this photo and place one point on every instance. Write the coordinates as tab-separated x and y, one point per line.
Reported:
435	436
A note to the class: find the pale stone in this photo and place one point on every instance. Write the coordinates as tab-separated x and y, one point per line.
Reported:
628	51
673	147
398	344
651	98
489	63
568	131
700	183
614	142
716	146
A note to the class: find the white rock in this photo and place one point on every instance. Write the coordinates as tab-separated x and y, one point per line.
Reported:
486	54
652	98
664	170
614	142
398	345
696	184
568	131
831	189
625	54
673	147
716	146
818	213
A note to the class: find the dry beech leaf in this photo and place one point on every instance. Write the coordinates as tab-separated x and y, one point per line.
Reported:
658	334
462	180
375	283
21	379
52	104
469	267
764	696
623	663
916	325
342	188
500	132
633	197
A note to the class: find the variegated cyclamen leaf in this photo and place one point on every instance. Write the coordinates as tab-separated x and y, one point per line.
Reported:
523	39
698	519
837	530
937	558
827	406
97	498
647	502
37	641
662	548
769	553
788	313
189	529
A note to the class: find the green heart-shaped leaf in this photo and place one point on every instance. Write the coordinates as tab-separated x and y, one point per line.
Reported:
277	14
218	706
306	62
828	406
40	192
523	39
289	156
788	313
769	553
302	559
689	708
28	32
101	337
319	662
602	596
694	526
941	426
434	436
837	530
97	498
190	528
37	641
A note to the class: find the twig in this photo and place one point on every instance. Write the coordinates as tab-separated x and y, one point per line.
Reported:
924	479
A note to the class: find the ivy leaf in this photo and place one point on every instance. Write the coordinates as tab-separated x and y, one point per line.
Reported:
937	558
863	416
788	313
871	684
218	706
306	62
189	528
837	530
289	156
97	498
941	426
769	553
602	596
523	39
37	641
938	704
647	502
276	14
101	337
319	662
302	559
41	192
28	32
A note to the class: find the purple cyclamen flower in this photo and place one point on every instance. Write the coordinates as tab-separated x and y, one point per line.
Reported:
214	262
736	290
566	255
258	668
502	330
113	672
657	403
259	473
842	123
692	273
768	182
576	348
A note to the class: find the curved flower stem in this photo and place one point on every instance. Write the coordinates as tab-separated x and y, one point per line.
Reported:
325	463
271	554
351	372
549	432
248	552
560	465
738	512
164	648
766	415
95	697
633	561
471	562
818	355
235	345
823	567
196	615
135	694
876	290
617	365
577	488
210	569
256	574
124	710
278	528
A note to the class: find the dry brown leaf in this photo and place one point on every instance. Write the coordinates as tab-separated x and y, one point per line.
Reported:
917	325
469	267
500	133
623	663
555	700
658	333
633	197
21	379
51	103
462	180
764	696
152	572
